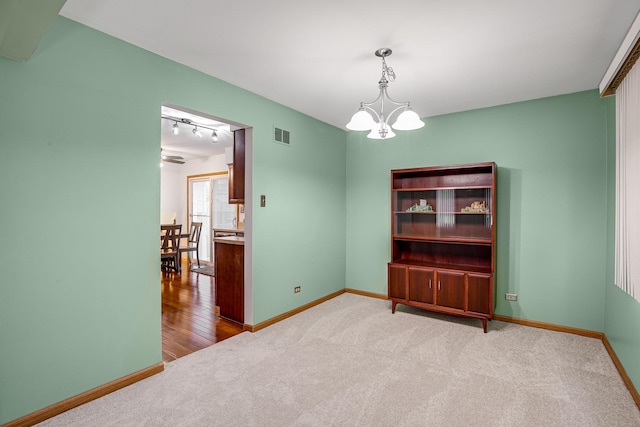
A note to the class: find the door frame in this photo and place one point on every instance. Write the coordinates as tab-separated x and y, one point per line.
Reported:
248	204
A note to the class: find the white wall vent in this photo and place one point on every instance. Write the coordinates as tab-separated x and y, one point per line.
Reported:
282	136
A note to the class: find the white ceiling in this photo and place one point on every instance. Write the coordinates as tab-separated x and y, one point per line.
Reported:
318	57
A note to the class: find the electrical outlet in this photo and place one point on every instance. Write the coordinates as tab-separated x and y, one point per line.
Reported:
296	289
511	297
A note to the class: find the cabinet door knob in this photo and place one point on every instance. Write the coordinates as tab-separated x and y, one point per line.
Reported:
438	284
429	283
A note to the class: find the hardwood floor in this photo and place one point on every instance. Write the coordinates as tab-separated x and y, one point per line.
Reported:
188	314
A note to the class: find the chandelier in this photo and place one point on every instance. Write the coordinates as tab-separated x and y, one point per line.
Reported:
379	128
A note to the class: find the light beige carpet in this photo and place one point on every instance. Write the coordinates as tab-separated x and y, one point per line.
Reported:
350	362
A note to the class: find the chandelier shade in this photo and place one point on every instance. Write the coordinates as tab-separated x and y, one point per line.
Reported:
361	121
408	120
366	118
381	131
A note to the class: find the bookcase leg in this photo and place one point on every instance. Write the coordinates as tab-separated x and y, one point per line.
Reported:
484	325
393	307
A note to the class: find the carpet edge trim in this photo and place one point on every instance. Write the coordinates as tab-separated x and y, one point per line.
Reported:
86	397
625	378
550	326
366	293
280	317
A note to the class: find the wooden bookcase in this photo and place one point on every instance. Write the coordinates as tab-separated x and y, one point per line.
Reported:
443	239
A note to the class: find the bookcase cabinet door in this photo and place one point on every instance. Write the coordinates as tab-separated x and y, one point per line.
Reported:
421	285
480	293
450	292
398	282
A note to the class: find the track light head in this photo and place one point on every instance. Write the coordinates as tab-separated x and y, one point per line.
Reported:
214	136
196	132
175	129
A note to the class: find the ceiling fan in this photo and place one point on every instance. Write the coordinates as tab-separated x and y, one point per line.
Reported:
172	159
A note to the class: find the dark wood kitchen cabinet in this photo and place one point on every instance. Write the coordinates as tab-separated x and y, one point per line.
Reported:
229	273
237	169
443	239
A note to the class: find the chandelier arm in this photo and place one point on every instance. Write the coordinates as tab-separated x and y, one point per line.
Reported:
395	110
366	107
368	104
404	104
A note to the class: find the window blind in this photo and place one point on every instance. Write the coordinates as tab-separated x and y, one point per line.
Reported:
627	250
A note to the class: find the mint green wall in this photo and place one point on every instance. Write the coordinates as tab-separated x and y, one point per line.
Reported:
80	191
551	243
299	237
622	312
622	317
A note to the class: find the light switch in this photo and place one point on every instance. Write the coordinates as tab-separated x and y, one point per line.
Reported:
263	201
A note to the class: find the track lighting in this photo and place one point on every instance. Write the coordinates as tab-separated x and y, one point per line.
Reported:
197	127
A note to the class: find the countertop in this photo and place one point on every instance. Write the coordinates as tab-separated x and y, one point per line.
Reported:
228	230
230	240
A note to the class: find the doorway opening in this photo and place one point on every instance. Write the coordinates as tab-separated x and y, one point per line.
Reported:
194	188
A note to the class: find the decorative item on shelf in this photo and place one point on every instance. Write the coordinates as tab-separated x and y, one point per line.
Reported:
475	207
422	206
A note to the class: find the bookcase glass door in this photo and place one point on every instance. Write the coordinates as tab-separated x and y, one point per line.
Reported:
445	213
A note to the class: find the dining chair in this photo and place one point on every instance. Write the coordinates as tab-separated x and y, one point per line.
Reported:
169	247
193	244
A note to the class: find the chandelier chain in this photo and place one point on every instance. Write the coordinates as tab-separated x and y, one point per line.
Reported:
387	72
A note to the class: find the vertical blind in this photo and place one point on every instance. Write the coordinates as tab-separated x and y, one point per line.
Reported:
627	251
